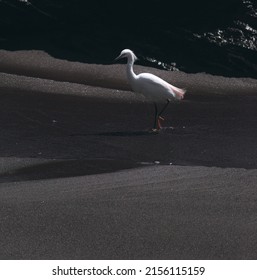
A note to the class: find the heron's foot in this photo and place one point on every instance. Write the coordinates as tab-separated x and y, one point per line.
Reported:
154	131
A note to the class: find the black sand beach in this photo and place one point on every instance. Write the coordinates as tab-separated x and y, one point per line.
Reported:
81	176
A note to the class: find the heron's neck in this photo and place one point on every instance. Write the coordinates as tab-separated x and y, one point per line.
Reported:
130	72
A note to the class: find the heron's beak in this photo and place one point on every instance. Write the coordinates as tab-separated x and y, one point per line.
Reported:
118	57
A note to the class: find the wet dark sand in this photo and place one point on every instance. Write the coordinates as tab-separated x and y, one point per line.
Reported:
81	176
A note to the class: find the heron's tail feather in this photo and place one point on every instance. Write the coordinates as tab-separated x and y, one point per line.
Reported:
178	92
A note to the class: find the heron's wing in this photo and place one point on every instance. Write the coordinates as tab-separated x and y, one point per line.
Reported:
153	82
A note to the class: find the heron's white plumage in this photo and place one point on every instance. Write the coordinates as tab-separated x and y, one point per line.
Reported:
155	87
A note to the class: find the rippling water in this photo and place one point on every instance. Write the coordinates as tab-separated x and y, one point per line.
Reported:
218	37
238	33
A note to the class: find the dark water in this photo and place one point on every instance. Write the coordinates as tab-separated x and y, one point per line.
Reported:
218	37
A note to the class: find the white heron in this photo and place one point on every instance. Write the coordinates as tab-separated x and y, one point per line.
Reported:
151	86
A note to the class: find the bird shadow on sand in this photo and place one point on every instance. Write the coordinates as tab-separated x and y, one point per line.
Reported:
120	133
127	133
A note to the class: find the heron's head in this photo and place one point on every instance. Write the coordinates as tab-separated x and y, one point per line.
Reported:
127	54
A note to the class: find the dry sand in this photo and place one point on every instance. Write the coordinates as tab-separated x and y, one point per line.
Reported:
81	177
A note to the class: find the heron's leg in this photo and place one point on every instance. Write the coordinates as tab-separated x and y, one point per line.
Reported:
156	115
164	107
